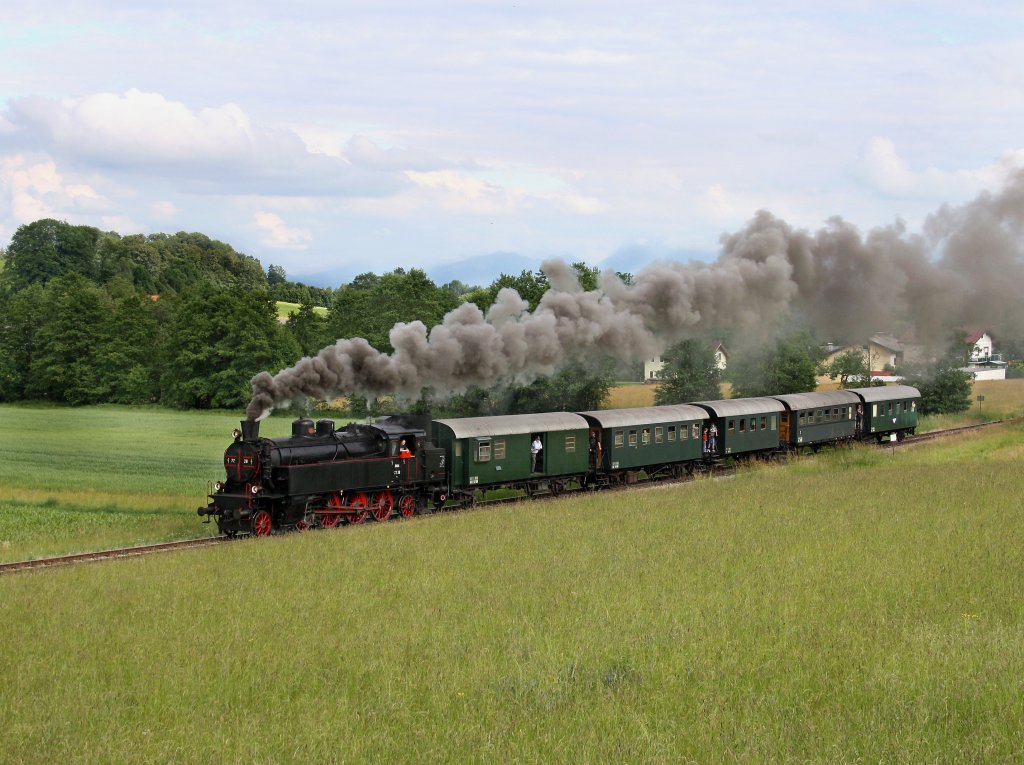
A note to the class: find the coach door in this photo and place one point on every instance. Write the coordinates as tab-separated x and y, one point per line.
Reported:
784	427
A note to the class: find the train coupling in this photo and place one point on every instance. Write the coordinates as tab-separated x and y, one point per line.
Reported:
210	511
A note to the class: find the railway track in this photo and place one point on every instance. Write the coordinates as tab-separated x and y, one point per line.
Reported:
129	552
120	552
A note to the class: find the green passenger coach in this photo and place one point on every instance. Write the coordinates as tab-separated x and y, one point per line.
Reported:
486	452
886	410
650	438
818	417
744	424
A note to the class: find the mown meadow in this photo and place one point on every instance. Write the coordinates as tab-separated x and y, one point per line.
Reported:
74	479
859	606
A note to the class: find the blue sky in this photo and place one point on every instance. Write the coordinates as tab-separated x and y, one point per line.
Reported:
336	138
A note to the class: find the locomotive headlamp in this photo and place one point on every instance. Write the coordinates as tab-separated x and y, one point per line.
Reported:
255	489
218	486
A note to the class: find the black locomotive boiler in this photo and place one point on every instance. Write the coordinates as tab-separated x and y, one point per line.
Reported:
320	475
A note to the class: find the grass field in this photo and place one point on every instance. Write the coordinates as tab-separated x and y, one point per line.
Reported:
96	477
284	310
861	606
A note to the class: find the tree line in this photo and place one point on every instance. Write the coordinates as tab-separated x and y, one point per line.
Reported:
183	320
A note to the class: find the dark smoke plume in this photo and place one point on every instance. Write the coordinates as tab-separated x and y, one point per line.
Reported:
965	267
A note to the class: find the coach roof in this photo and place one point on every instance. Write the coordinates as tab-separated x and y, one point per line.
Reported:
886	392
818	400
650	415
511	424
738	407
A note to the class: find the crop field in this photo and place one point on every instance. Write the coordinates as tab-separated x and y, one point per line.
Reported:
285	309
860	606
97	477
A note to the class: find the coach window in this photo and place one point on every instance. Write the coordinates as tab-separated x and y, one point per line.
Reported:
659	435
458	448
646	436
696	431
632	438
483	451
874	410
803	419
764	423
904	406
499	450
913	406
732	426
618	438
890	407
672	432
773	422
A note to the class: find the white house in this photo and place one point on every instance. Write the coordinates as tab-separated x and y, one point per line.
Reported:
655	365
981	345
985	363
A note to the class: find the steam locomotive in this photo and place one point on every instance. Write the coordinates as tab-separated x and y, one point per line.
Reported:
322	475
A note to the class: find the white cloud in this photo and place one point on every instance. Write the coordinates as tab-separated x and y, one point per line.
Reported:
883	168
164	209
36	189
144	133
279	235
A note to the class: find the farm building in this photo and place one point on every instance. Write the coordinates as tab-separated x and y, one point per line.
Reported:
655	365
883	354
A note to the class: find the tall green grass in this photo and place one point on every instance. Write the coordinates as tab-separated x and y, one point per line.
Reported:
74	479
862	606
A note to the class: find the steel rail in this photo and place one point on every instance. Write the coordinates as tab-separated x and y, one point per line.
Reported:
119	552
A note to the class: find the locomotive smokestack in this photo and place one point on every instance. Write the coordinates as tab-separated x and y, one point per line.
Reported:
250	430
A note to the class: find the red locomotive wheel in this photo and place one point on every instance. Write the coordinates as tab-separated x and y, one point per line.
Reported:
407	506
382	506
359	501
262	524
330	520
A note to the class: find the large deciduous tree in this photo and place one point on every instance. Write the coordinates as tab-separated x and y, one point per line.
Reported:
690	373
787	366
850	368
215	342
371	305
47	249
